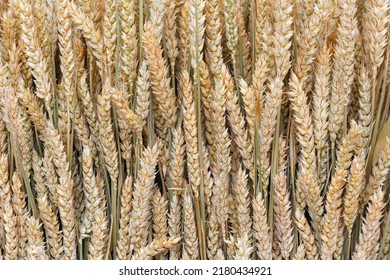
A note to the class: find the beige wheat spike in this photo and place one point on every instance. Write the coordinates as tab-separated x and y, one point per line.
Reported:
20	210
35	243
82	131
320	108
300	253
33	107
157	11
213	39
206	92
196	32
241	200
11	236
219	255
244	55
110	26
283	221
3	136
258	80
4	173
308	41
263	31
365	113
128	121
129	42
133	121
368	245
161	89
249	98
333	204
4	191
281	38
308	238
355	186
379	174
99	238
35	58
222	165
232	217
64	191
169	31
177	162
375	20
156	247
46	213
269	114
386	239
208	181
237	122
244	248
123	246
343	70
213	234
106	135
50	11
307	172
8	29
159	215
190	133
87	106
90	32
176	180
51	178
78	195
190	238
20	130
261	230
67	53
143	93
90	189
183	31
142	199
175	224
231	28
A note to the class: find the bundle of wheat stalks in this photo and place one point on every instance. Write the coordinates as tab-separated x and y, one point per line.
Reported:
194	129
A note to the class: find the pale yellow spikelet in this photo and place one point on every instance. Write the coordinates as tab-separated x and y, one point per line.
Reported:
311	247
300	254
261	229
160	81
213	38
343	66
333	204
368	246
283	221
320	107
142	199
123	246
379	173
244	249
11	245
46	213
190	238
35	243
307	172
156	247
35	57
354	188
99	238
237	121
241	199
64	191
